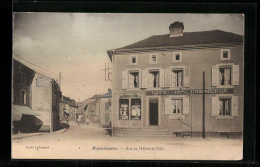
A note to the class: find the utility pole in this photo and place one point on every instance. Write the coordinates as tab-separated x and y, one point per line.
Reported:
107	72
203	102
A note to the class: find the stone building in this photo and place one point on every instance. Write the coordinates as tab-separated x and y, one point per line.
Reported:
159	89
105	109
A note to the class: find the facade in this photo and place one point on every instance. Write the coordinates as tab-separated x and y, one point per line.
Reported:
35	96
105	109
68	109
158	84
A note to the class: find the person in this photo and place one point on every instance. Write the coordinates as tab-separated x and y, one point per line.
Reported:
79	119
87	120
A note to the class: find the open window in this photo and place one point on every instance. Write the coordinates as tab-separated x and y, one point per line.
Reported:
177	78
225	75
153	80
134	79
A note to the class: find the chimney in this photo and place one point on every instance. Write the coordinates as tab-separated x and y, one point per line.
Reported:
176	29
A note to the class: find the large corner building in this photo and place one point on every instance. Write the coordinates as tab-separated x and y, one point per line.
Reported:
179	83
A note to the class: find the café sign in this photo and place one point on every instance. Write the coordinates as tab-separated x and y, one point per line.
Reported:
191	91
43	82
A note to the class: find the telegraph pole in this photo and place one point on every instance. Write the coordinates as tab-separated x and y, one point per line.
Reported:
203	102
107	72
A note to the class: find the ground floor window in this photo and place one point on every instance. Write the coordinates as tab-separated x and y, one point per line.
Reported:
123	109
177	106
130	108
136	109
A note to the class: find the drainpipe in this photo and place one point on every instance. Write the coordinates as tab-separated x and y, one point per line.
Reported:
113	92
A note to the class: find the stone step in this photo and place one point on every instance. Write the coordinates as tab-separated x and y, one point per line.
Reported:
140	135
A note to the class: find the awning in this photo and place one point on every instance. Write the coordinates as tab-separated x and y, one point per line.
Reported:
18	111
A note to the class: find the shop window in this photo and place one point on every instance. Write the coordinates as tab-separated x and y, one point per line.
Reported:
225	54
23	97
177	57
123	109
224	106
153	80
177	78
133	79
133	60
136	109
225	76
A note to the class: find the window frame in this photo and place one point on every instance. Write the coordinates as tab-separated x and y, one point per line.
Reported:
182	78
119	105
174	57
139	78
131	104
131	58
151	58
177	98
226	96
219	66
151	71
222	54
23	97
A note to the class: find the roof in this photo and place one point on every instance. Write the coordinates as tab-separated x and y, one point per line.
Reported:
188	38
18	110
107	95
83	104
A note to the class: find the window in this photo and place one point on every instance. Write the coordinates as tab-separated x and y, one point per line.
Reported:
153	79
136	109
23	97
133	79
23	77
177	57
177	106
224	106
177	78
123	109
225	54
153	59
133	60
224	75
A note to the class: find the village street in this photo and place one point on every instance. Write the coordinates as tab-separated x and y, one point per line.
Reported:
93	142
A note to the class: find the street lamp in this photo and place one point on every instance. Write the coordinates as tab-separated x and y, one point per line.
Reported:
190	109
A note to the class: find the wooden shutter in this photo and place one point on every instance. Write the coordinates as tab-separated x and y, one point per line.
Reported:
235	75
186	82
168	106
186	105
167	82
173	79
214	76
161	73
124	79
150	80
234	108
130	81
214	106
144	79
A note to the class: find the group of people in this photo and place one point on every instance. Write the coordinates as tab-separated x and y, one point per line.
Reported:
79	119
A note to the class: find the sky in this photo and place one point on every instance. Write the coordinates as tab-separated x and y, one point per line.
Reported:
76	44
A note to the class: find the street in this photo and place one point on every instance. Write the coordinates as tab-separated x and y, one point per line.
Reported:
93	142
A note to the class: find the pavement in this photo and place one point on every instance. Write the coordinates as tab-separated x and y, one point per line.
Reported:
93	142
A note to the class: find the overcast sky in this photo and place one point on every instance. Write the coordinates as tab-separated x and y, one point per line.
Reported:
75	44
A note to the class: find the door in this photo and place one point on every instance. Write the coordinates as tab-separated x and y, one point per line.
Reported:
153	111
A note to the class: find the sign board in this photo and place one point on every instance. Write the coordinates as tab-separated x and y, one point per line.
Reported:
191	91
43	82
130	96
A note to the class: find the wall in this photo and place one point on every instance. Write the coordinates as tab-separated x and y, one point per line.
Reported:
198	60
105	112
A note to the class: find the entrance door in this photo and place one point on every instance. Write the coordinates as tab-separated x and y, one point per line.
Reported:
153	111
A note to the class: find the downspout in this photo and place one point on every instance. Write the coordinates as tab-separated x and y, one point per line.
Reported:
113	92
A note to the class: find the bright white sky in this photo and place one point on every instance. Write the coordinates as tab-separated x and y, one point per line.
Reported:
75	44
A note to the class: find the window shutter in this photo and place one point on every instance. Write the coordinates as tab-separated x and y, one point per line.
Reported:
214	76
214	106
186	77
130	81
161	73
124	79
235	75
234	106
173	79
167	82
150	80
186	105
168	106
144	78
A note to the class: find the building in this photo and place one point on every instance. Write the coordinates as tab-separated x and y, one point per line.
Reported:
158	84
68	109
35	99
105	109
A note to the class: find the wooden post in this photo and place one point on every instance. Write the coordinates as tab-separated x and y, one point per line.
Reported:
203	107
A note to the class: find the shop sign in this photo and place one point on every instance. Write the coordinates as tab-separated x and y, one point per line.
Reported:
43	82
130	96
191	91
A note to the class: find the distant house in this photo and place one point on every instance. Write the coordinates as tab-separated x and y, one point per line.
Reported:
68	109
105	109
35	99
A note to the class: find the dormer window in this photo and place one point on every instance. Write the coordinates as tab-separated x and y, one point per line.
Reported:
177	57
225	54
133	60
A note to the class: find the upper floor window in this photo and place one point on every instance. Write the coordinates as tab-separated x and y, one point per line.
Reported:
153	80
23	77
177	78
225	54
23	97
224	75
177	57
153	59
134	79
133	60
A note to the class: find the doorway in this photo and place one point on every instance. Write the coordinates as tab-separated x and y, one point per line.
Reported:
153	112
